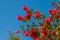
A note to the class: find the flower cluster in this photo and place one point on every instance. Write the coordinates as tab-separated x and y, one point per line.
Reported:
48	29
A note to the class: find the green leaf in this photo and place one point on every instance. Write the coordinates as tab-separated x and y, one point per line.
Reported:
28	26
33	24
58	2
49	35
13	36
22	27
25	20
42	16
31	10
37	19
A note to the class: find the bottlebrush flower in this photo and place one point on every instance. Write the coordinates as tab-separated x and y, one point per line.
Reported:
33	29
19	18
46	32
52	11
17	31
25	33
25	8
42	29
58	15
50	39
33	35
28	15
54	32
48	20
51	18
38	38
40	23
43	35
58	7
36	14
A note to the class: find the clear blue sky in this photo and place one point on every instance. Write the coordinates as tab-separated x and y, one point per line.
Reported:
9	9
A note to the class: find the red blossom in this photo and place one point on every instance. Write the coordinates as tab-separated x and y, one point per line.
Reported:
54	32
46	32
33	35
58	7
25	8
50	39
36	14
58	15
38	38
52	11
51	18
28	15
47	20
19	18
43	35
33	29
17	31
40	23
25	33
42	29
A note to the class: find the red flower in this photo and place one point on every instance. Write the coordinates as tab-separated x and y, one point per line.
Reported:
36	11
28	15
40	23
50	39
58	15
33	35
52	11
36	14
58	7
43	35
47	20
42	29
54	32
33	29
46	32
25	33
25	8
17	31
51	18
19	18
38	38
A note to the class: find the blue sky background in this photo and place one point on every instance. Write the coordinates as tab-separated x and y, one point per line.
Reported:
9	9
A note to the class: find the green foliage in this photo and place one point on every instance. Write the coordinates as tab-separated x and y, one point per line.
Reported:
13	36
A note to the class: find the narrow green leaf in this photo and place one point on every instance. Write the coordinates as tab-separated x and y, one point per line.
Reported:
28	26
22	27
